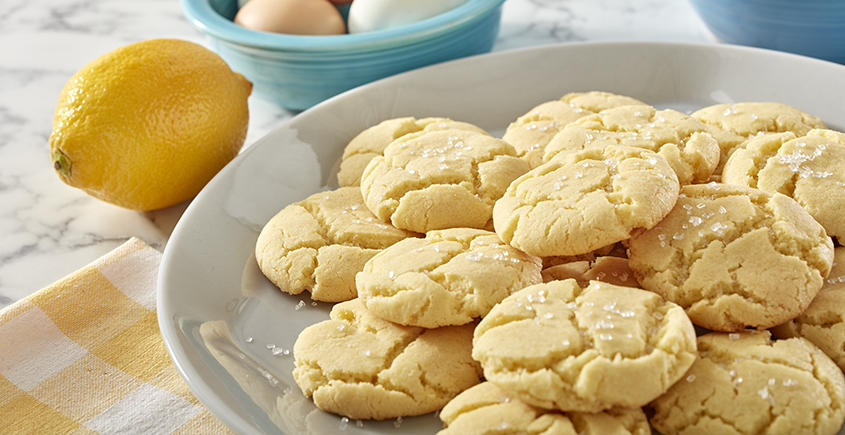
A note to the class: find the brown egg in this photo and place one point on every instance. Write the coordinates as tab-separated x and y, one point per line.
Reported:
295	17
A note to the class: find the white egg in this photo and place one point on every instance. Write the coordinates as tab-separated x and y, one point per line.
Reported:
369	15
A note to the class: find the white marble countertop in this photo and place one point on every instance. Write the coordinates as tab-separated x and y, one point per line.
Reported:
49	230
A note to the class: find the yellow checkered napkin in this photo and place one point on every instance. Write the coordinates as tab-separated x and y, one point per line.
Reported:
85	356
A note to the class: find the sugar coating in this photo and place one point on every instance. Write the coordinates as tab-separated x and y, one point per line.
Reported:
363	367
440	179
372	141
486	409
734	257
823	322
809	169
586	200
682	140
450	277
745	383
320	243
558	346
731	124
531	132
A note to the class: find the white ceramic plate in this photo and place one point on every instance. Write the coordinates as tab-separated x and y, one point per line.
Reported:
209	274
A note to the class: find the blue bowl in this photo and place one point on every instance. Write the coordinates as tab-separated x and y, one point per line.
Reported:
299	71
814	28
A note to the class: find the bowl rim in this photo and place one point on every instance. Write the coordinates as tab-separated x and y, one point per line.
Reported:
208	21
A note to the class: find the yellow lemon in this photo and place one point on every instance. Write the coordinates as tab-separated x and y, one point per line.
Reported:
147	125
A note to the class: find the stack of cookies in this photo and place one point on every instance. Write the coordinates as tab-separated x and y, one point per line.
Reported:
604	267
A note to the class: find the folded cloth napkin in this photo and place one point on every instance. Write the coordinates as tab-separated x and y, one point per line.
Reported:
85	356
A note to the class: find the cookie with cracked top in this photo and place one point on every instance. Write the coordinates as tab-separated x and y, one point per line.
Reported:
372	141
363	367
734	257
320	243
731	124
434	180
450	277
823	322
745	383
487	409
559	346
809	169
531	132
585	201
683	141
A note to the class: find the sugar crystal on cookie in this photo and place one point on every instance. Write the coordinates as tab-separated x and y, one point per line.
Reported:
567	208
752	384
714	275
602	324
374	362
450	277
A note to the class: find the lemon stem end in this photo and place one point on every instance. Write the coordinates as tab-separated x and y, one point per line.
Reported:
61	163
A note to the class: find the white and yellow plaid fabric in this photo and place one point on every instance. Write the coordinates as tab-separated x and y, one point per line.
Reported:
85	356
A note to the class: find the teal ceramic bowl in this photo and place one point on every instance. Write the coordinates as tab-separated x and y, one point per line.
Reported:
298	71
814	28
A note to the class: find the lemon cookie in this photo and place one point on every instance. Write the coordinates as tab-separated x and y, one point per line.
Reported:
731	124
448	278
682	140
614	249
745	383
320	243
585	200
823	322
486	409
531	132
372	141
440	179
734	257
363	367
609	269
606	264
558	346
809	169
